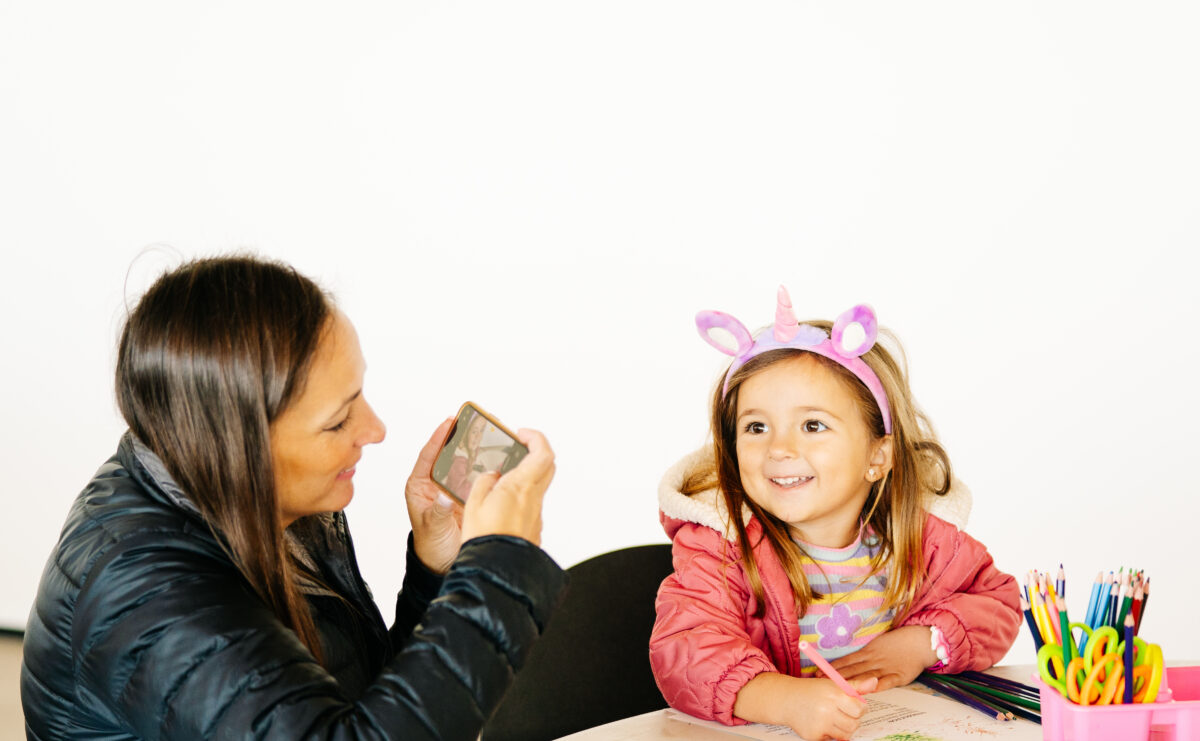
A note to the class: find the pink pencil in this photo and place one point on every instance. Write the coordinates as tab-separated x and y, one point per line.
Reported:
816	658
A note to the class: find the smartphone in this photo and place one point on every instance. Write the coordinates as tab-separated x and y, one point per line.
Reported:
477	444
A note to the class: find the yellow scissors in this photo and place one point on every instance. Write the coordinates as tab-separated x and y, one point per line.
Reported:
1098	676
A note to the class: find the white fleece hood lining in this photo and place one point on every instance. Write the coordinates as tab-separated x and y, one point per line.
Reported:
708	507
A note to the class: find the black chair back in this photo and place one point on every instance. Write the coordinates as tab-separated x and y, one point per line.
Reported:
592	665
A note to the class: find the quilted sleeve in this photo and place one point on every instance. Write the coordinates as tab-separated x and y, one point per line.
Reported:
700	649
176	646
975	605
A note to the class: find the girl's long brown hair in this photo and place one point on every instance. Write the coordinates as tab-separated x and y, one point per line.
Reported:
894	507
212	354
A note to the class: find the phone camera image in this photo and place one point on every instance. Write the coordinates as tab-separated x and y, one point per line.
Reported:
477	444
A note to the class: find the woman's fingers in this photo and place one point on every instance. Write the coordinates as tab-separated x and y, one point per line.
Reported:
512	504
484	483
434	517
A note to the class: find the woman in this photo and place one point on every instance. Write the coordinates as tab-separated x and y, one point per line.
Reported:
205	583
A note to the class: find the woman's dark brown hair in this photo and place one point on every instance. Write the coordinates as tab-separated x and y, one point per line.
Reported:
213	352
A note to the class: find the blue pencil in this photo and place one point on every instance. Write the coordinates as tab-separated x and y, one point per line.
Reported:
1093	607
1033	629
1128	658
1094	598
1106	604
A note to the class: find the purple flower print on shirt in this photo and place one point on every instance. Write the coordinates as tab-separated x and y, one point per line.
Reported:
837	628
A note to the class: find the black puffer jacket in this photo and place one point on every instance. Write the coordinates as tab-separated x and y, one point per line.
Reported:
143	628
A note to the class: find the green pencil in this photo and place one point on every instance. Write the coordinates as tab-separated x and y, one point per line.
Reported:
1068	640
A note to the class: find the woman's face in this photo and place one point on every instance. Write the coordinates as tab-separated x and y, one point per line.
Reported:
318	439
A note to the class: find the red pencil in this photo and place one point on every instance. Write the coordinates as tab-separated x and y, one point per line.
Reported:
1139	595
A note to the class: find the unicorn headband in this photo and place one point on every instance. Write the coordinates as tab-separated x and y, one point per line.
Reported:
790	334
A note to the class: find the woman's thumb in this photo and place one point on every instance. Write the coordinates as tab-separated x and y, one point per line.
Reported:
867	685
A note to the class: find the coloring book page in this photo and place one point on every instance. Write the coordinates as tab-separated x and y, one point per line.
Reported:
901	715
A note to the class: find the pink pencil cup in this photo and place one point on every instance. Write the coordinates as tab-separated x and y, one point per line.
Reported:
1175	717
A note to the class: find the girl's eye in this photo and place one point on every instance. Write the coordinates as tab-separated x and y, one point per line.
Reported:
756	428
814	425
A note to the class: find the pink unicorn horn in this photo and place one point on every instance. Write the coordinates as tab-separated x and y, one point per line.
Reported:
786	325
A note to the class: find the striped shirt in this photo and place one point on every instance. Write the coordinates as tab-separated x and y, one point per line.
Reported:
845	616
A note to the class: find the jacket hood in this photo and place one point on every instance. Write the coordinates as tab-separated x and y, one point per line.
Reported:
708	507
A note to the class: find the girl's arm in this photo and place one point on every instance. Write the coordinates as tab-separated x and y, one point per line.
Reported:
701	649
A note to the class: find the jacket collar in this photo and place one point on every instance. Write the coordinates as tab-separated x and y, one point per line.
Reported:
150	470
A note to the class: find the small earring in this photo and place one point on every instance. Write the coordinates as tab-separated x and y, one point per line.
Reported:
871	473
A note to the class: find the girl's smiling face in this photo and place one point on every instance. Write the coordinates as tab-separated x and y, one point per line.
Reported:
804	451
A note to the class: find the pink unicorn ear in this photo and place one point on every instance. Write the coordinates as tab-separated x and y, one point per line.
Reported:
854	331
717	328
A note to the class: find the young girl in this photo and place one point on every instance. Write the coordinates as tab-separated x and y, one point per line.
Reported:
828	469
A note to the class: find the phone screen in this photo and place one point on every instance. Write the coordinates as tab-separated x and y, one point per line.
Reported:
477	444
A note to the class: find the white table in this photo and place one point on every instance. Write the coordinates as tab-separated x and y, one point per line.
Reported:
658	726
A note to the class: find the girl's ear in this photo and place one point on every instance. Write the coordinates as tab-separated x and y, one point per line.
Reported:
881	458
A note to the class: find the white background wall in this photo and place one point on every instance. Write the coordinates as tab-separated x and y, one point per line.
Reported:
525	203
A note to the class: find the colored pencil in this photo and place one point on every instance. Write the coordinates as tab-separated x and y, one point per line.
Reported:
1128	659
828	670
1043	619
1060	584
999	694
1033	629
1115	619
1012	684
1020	712
1126	603
965	698
1145	601
1051	608
1093	598
1136	609
1102	601
1068	643
1031	712
1102	610
1115	600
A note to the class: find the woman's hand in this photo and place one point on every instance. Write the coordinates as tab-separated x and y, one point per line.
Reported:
816	709
436	518
896	657
512	504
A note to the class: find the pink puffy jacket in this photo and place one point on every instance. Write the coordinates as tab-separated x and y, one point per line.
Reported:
706	644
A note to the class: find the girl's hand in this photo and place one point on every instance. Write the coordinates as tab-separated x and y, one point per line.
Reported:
512	504
895	658
816	709
436	518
